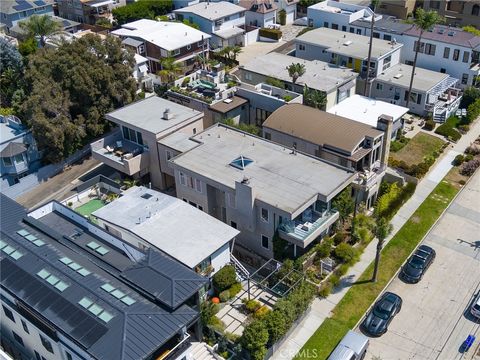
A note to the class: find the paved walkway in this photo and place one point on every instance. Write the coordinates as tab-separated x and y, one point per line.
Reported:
321	308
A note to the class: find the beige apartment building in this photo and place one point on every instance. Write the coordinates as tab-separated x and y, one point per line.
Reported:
456	12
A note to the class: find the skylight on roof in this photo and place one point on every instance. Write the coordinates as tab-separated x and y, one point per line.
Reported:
127	300
95	309
10	250
241	162
53	280
74	266
30	237
97	248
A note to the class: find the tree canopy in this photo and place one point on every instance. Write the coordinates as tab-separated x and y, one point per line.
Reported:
41	26
142	9
70	89
11	72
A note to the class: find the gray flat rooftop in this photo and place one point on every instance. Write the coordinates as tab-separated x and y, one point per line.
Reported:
347	44
278	176
212	10
318	75
10	130
178	141
170	224
147	114
424	79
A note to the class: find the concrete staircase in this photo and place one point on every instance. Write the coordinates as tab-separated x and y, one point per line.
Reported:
199	351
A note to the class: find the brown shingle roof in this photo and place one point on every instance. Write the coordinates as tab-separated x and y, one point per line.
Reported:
319	127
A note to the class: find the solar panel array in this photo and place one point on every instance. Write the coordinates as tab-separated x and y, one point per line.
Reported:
30	237
22	5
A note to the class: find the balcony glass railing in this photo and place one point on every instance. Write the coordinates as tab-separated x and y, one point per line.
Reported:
304	226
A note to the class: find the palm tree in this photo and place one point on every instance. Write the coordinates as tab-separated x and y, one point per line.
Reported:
41	26
424	21
373	6
170	69
234	52
314	98
295	70
382	230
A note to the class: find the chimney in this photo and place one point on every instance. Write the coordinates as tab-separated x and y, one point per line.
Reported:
167	115
385	123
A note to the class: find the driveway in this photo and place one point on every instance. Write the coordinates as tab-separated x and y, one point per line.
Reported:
434	319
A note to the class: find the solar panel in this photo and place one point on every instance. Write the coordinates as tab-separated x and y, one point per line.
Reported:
39	3
83	272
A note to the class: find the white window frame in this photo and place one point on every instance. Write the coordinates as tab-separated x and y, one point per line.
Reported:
183	179
198	185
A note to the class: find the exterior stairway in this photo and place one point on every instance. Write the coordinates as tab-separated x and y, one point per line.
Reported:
200	351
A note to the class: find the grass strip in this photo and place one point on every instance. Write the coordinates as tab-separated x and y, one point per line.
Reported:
363	293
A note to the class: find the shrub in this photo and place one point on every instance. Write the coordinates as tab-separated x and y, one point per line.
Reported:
334	280
468	157
273	34
235	289
282	17
208	311
345	253
324	249
473	111
470	95
339	237
251	305
429	125
186	81
469	167
287	98
458	160
473	149
449	132
325	290
305	30
275	324
342	270
275	82
464	128
462	182
398	144
224	296
254	339
224	278
261	312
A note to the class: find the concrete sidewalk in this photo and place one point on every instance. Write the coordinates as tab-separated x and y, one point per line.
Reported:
321	308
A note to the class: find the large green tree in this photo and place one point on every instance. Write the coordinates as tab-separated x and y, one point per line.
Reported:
70	89
40	26
424	21
142	9
11	72
344	203
171	69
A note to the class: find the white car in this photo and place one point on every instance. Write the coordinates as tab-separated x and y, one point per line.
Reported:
475	309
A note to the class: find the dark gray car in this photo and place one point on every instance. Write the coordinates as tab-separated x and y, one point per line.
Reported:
419	262
377	320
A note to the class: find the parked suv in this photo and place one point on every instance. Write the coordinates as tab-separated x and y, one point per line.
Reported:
475	309
413	270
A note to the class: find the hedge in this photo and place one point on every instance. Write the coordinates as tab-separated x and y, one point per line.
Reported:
270	33
449	132
392	199
224	278
473	111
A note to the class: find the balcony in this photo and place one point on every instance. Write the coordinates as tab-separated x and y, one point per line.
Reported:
367	179
120	154
175	348
307	226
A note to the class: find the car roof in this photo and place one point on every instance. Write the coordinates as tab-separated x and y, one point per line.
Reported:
351	344
425	248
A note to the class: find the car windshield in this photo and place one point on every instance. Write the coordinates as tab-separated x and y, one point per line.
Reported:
416	262
477	306
381	313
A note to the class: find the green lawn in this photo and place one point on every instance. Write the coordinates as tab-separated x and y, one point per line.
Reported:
418	147
90	207
362	294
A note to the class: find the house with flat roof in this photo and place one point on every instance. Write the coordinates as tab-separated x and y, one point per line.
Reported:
259	187
432	92
223	20
347	143
336	82
13	11
132	148
367	111
70	290
260	13
347	49
148	218
18	150
157	40
444	49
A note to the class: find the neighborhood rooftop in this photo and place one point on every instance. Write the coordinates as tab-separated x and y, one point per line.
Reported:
442	33
424	80
279	176
161	220
166	35
14	6
366	110
10	128
212	10
148	114
347	44
318	75
320	127
259	6
83	295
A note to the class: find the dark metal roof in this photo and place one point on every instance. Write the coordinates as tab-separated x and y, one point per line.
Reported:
132	330
171	285
13	149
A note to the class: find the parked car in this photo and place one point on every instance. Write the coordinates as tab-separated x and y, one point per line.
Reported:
382	313
413	270
475	309
352	347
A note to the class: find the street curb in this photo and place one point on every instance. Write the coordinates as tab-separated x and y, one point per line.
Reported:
419	243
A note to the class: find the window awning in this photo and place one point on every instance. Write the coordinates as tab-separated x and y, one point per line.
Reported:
346	86
13	149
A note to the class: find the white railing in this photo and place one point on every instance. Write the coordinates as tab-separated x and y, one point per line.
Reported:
238	265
